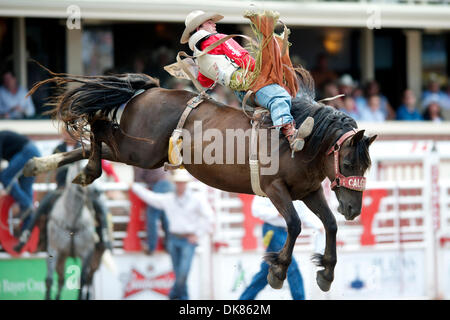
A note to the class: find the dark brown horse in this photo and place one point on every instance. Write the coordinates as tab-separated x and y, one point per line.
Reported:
146	124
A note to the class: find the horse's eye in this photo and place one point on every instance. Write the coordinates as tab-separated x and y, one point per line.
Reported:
348	165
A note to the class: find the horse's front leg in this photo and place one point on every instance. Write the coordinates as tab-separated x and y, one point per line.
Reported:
280	261
316	203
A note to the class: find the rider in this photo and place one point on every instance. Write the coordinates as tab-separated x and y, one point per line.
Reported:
50	198
222	62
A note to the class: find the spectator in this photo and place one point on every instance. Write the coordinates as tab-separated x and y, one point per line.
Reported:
435	94
446	108
330	90
190	216
349	107
373	111
274	236
433	111
155	180
347	85
372	88
17	149
13	101
447	95
407	111
321	73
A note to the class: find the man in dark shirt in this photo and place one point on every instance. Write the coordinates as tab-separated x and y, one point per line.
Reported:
17	149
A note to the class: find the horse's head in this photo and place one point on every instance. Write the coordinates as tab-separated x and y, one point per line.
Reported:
347	162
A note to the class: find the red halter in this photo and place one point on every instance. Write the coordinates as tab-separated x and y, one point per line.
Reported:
356	183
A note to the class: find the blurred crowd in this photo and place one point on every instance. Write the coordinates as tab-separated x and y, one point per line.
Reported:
364	101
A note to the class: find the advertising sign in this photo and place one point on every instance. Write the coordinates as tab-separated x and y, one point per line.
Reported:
24	279
142	277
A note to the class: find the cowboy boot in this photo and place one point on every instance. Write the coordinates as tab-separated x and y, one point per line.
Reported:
296	136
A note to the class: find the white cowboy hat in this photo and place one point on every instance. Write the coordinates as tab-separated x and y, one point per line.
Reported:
181	175
195	19
347	80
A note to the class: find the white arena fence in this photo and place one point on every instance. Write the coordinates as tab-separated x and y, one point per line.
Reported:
397	248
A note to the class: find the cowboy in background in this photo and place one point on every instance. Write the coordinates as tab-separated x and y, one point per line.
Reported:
190	216
156	180
232	66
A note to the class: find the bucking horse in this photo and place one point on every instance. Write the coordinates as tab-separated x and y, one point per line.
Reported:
336	149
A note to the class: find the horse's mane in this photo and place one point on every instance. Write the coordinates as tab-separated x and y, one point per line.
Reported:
329	123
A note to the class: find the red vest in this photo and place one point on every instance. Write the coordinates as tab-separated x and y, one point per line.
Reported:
231	49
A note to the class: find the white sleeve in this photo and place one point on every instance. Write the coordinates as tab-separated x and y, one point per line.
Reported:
207	213
157	200
262	208
28	108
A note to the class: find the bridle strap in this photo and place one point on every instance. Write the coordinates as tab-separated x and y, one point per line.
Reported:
337	146
356	183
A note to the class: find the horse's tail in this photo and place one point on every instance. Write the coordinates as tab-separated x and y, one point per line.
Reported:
99	96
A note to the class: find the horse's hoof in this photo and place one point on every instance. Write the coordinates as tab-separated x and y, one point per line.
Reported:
274	281
81	179
323	283
30	169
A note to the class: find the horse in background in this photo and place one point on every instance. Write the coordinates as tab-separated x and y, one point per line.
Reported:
71	233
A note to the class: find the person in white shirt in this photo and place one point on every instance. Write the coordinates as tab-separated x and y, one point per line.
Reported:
274	237
190	216
13	101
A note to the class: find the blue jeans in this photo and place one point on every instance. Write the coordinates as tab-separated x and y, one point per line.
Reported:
21	190
276	99
294	276
153	215
181	252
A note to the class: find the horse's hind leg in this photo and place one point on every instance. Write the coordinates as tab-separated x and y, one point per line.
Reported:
280	261
51	265
39	165
95	264
102	130
85	270
93	168
60	271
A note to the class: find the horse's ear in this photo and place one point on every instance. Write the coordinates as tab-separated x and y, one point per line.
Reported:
370	140
357	137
